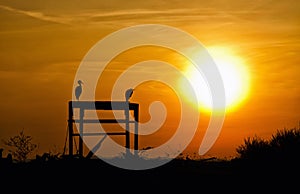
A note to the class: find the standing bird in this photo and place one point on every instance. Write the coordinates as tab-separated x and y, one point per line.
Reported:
128	94
78	89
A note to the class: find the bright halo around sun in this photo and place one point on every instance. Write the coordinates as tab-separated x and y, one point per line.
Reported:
234	74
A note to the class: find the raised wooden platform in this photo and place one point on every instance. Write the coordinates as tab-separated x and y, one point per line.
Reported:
102	105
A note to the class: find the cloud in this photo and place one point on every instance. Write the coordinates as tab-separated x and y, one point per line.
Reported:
38	15
215	12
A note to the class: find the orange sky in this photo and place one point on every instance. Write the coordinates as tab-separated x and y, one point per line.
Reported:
42	44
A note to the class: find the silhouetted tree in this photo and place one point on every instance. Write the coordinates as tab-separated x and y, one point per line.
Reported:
21	146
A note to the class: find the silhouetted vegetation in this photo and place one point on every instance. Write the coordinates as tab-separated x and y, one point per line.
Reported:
20	146
283	145
274	156
253	148
257	157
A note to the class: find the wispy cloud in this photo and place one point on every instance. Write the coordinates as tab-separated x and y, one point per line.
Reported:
38	15
99	15
183	15
95	15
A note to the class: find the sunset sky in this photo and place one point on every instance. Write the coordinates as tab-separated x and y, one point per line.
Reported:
43	43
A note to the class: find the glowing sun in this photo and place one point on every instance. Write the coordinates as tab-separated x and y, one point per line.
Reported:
234	74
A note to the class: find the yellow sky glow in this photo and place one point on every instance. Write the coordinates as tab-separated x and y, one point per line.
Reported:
236	79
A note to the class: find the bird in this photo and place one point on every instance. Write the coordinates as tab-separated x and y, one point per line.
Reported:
78	89
128	94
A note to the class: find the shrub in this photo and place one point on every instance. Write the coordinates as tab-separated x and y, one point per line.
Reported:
284	145
21	146
253	148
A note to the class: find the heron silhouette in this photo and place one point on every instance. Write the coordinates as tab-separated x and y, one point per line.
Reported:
128	94
78	89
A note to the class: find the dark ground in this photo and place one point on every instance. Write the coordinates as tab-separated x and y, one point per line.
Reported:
85	174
